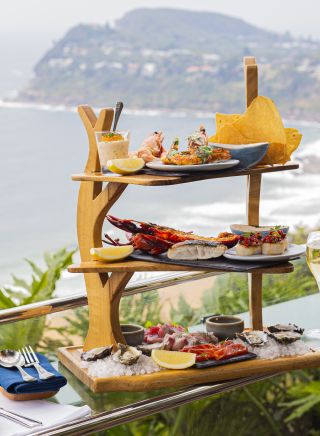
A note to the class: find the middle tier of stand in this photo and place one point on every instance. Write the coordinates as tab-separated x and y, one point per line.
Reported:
142	266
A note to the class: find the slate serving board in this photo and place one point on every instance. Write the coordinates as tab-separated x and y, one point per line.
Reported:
219	263
210	363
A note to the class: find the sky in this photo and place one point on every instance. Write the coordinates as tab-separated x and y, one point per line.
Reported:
54	17
28	28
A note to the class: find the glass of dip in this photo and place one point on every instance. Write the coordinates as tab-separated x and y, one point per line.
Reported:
112	145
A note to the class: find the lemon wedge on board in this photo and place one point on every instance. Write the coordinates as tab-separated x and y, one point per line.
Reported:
127	166
173	359
111	254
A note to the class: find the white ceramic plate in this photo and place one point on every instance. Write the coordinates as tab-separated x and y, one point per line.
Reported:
294	250
160	166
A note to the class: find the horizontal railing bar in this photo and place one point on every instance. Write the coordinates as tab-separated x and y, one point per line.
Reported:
142	409
60	304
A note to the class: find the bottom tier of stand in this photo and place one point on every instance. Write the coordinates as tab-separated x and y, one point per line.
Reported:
70	357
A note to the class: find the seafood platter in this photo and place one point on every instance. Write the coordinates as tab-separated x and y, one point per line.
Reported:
163	244
170	355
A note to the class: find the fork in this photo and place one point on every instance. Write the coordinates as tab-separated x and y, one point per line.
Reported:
32	360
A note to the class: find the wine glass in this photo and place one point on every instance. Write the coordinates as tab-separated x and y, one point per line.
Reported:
313	260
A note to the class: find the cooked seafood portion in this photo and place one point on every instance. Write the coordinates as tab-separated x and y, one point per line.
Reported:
96	353
285	328
196	154
152	147
155	239
193	250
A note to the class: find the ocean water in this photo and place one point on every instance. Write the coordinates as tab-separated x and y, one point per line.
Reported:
40	149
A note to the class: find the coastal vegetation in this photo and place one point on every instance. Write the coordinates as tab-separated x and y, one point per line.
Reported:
175	59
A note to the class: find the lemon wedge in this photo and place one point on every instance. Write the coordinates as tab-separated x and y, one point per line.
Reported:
125	166
173	359
111	254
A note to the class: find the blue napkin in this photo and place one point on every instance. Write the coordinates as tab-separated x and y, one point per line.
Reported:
12	382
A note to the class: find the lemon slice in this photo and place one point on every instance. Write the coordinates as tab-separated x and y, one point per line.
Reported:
111	254
173	359
125	166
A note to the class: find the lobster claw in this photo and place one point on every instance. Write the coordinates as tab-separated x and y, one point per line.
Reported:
126	225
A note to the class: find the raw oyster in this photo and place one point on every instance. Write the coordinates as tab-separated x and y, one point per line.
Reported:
96	353
285	337
128	355
285	328
255	338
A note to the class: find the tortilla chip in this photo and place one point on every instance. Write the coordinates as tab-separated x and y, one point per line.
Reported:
262	122
276	154
293	139
228	134
222	119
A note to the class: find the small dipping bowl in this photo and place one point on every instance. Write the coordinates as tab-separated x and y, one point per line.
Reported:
224	326
133	334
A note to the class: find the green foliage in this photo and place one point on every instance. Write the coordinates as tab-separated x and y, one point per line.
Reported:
142	309
40	288
229	294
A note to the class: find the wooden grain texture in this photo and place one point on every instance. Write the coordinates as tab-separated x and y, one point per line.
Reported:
253	200
70	357
150	180
250	78
255	300
28	397
93	124
94	201
94	266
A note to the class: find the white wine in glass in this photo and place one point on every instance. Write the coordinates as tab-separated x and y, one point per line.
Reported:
313	260
313	255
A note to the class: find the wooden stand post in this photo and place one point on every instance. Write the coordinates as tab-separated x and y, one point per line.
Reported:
104	290
253	201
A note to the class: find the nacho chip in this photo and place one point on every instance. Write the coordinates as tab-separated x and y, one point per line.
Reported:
222	119
228	134
262	122
276	154
293	138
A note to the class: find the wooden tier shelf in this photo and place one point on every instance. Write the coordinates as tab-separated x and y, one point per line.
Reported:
70	357
151	180
141	266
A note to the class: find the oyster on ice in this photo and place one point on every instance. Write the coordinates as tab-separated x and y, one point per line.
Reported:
285	337
285	328
96	353
128	355
255	338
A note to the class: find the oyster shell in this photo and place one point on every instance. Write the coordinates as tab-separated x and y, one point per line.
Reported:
285	328
128	355
285	337
255	338
96	353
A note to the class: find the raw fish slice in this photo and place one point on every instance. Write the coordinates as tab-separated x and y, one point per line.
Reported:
194	249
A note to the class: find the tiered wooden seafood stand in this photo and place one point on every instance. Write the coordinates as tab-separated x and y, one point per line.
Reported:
105	282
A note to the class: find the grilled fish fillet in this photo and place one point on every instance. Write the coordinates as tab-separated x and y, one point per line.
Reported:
193	250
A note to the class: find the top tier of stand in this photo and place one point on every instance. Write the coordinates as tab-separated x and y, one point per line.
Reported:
151	180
